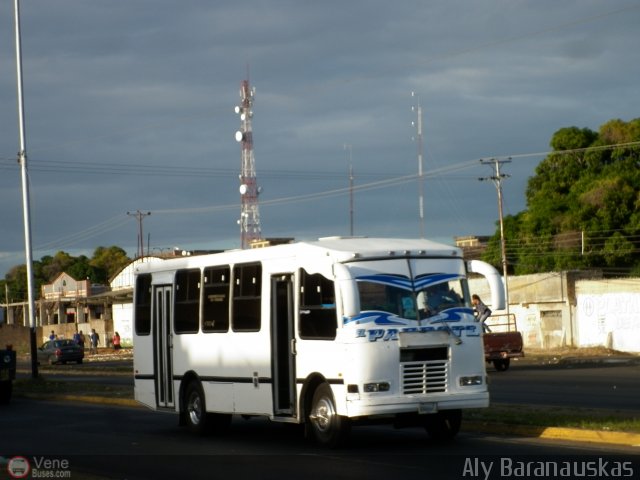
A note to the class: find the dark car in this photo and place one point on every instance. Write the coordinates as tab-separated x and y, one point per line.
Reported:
60	351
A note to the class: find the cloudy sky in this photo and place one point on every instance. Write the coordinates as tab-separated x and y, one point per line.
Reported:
130	106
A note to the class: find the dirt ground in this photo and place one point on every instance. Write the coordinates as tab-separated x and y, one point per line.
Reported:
578	352
569	355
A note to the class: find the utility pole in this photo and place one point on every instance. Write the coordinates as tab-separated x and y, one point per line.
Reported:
139	215
22	160
349	147
497	181
418	125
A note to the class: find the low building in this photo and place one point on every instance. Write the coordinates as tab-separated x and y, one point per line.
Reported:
65	300
473	246
122	300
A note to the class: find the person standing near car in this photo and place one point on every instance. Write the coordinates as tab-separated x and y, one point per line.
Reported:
116	341
78	338
94	339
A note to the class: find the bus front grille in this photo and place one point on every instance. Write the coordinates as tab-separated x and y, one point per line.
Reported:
424	377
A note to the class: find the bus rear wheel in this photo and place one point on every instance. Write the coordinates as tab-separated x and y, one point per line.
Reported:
195	411
328	428
196	417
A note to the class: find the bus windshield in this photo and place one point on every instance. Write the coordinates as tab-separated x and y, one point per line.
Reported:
425	296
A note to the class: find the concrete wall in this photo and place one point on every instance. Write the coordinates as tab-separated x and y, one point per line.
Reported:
608	314
560	309
103	327
18	337
540	306
123	322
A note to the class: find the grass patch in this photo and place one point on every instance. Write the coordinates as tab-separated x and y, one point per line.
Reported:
86	367
605	420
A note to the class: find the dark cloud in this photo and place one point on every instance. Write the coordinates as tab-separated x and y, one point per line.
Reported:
130	106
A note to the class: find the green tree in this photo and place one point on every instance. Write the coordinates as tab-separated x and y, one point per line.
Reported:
617	250
583	204
110	260
16	279
54	266
105	263
81	269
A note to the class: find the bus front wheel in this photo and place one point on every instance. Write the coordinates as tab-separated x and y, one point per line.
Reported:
329	429
443	425
501	365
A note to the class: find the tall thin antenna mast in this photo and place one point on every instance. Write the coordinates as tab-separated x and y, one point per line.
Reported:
418	124
249	215
497	181
349	147
22	160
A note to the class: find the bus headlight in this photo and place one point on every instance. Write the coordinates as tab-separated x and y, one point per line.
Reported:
376	387
471	380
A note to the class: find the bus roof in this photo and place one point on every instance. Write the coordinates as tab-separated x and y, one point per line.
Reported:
364	247
339	249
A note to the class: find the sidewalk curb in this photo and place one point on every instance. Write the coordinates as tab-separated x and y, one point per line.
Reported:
557	433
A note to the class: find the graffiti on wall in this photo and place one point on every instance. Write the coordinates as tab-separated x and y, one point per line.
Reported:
609	320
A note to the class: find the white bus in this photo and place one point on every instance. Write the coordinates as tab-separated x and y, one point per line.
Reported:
326	334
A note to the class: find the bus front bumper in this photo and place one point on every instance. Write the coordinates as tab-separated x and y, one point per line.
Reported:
370	406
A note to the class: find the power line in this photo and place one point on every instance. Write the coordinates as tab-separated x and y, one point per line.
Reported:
118	221
66	166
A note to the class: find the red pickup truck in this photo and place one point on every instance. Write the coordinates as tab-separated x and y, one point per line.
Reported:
503	342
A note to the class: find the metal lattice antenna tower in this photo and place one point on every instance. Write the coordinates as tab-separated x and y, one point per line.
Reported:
249	215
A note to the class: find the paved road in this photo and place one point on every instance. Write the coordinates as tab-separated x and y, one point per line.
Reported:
607	386
600	385
116	442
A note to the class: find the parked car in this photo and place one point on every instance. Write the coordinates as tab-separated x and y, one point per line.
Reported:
60	351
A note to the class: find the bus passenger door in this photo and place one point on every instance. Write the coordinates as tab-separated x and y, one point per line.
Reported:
162	347
283	346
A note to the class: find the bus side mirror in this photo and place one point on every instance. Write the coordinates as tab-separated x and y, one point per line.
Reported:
495	282
347	290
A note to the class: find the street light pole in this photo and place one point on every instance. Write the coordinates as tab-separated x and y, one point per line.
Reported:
497	181
22	160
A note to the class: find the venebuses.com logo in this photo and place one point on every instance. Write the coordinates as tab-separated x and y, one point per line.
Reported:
38	467
18	467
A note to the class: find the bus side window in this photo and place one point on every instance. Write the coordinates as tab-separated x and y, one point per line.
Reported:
143	304
186	315
317	319
247	290
215	301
